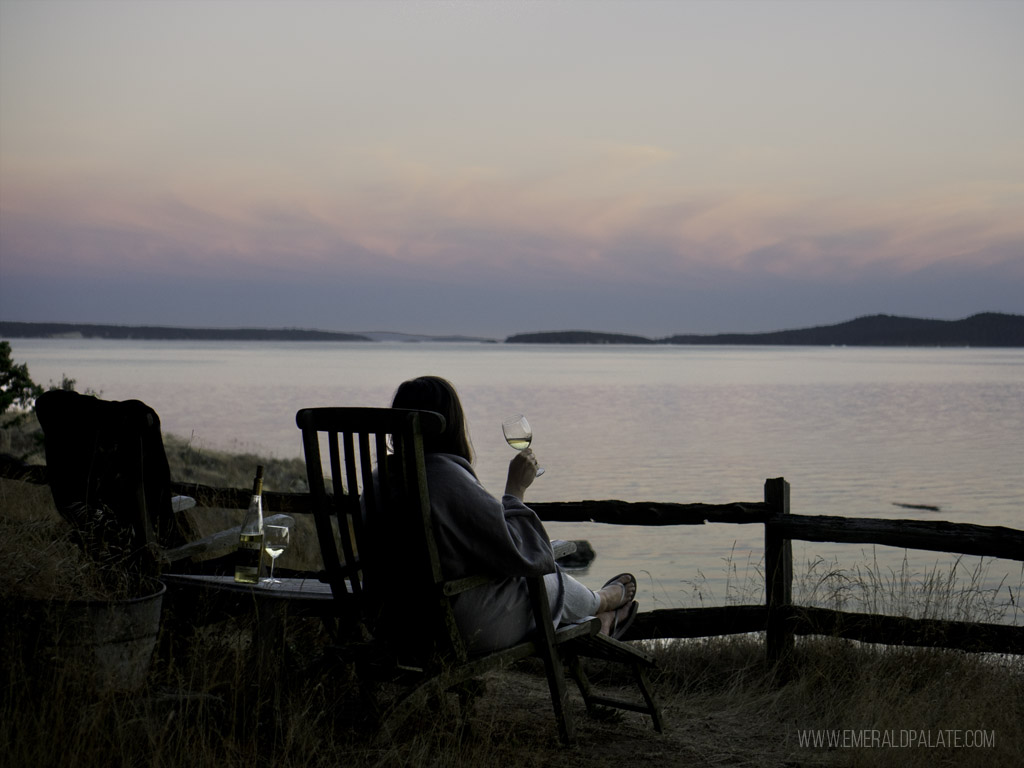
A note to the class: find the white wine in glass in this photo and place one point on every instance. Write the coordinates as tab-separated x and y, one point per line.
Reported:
275	540
518	434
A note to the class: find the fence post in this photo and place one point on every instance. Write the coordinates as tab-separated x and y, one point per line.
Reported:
778	562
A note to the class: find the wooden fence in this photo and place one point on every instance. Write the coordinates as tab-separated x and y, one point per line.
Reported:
778	617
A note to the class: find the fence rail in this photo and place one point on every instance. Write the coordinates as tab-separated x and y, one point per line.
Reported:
935	536
778	617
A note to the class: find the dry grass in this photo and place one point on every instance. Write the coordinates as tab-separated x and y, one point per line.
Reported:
191	463
204	704
961	591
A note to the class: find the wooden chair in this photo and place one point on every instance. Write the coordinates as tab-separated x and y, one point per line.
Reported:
393	601
109	477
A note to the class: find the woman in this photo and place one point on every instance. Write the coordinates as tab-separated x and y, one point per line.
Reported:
477	533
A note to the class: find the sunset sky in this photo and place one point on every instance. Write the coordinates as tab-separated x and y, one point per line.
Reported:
490	168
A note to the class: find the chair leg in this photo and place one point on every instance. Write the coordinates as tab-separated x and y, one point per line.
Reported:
594	702
575	667
644	684
559	696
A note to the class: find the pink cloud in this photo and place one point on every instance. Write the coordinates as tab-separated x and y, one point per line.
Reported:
605	218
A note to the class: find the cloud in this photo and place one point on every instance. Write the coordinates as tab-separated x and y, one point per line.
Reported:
579	221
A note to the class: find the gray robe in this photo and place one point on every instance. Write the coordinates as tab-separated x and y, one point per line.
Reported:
477	534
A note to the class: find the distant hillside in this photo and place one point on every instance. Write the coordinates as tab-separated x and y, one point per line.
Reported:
576	337
166	333
417	337
985	330
989	329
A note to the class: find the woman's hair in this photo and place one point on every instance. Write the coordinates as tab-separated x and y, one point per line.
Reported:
432	393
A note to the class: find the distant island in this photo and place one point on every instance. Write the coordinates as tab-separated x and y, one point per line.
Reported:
577	337
989	329
166	333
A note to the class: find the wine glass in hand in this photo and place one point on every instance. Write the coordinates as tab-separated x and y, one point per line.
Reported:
518	434
275	541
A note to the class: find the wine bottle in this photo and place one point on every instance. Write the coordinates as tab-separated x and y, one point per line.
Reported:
249	556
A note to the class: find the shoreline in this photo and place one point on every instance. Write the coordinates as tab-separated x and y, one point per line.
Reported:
986	329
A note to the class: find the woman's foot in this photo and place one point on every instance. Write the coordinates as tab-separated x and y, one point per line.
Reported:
615	623
617	592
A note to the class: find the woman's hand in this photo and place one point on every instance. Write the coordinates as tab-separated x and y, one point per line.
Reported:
522	471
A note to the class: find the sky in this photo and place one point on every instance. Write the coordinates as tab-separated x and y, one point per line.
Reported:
501	167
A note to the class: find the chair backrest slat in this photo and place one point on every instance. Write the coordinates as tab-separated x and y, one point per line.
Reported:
347	574
322	503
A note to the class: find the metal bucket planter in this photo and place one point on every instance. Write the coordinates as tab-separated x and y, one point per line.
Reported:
108	642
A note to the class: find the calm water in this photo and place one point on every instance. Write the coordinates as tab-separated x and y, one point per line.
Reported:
854	430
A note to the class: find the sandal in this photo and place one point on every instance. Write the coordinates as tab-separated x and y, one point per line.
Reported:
618	579
619	627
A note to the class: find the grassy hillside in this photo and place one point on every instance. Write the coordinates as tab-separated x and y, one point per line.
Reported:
222	469
205	705
989	329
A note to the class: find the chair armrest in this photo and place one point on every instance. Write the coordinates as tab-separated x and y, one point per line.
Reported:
458	586
560	547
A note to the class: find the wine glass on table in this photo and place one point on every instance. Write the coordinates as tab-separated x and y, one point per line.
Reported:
276	539
518	434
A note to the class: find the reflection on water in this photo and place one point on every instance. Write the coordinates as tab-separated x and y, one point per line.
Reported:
855	431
